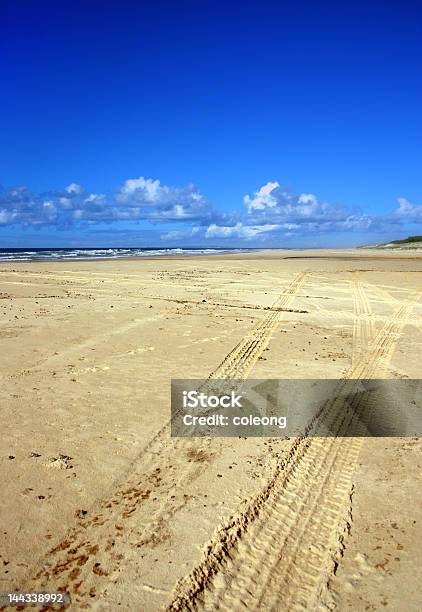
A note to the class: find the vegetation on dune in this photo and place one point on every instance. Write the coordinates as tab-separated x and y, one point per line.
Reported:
409	239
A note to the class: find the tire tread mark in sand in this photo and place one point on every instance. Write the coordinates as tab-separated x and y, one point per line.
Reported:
71	563
280	551
239	362
363	327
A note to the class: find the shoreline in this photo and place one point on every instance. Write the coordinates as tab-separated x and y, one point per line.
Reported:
354	252
194	252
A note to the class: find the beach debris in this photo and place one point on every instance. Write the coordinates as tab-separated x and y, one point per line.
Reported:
62	462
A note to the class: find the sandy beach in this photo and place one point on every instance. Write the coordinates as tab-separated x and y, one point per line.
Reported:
100	501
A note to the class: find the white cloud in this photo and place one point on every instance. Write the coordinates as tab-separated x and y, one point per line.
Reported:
272	202
238	231
179	234
262	198
95	197
159	202
307	198
65	202
173	235
148	190
408	210
7	217
290	226
74	188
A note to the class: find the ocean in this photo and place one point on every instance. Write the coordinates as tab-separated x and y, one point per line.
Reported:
29	254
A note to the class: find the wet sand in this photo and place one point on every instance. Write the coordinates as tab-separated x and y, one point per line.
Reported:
99	500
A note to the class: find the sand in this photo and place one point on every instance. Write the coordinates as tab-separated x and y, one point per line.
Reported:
97	498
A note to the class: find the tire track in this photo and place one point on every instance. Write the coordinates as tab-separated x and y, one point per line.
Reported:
280	552
384	296
84	559
363	326
381	350
246	353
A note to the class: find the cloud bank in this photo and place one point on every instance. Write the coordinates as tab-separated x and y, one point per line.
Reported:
275	212
304	211
137	199
271	214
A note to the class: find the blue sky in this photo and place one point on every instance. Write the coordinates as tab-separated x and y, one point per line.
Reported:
209	123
